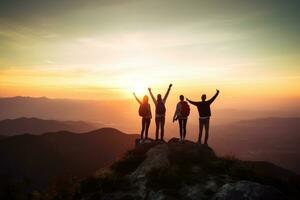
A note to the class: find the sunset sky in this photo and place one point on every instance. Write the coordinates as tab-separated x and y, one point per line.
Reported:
105	49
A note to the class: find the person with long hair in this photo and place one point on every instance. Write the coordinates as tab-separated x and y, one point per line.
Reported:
160	112
145	113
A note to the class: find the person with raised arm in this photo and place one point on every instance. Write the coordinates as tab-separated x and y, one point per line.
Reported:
204	114
145	113
160	112
181	114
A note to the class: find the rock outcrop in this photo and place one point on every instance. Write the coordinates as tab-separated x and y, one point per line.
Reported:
162	171
156	158
247	190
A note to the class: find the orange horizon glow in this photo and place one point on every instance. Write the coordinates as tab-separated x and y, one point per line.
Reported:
55	84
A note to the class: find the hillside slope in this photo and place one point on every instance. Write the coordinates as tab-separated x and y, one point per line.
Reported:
42	158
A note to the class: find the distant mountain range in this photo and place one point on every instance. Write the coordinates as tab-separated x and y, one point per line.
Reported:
9	127
42	158
276	140
104	112
121	114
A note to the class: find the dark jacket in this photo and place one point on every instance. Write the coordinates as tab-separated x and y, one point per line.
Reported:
204	106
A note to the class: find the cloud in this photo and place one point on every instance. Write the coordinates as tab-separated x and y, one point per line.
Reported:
114	41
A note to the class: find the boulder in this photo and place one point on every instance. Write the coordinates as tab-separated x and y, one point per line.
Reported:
247	190
156	158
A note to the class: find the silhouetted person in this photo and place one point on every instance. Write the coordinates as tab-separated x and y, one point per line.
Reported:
160	112
204	115
145	113
181	114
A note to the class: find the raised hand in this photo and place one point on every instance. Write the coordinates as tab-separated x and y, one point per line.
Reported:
217	90
149	89
170	85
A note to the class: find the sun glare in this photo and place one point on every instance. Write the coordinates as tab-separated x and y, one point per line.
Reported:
134	82
139	90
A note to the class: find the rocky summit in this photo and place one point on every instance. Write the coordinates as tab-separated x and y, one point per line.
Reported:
174	170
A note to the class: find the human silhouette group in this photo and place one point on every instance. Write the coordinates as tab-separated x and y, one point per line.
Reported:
181	115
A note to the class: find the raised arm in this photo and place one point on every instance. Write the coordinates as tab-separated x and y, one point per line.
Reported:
195	103
214	97
167	94
152	96
137	98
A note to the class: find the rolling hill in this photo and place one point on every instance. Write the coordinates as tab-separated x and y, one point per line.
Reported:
42	158
37	126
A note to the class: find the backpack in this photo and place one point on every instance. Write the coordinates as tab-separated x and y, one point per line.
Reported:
160	108
185	109
144	110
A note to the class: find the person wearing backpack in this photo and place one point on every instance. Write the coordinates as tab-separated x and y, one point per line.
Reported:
181	114
160	112
145	113
204	114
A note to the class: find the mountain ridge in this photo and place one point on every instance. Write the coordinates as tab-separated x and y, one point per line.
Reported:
38	126
41	158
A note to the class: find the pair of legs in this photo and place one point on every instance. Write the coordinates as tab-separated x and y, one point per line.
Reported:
160	123
145	127
203	123
182	128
